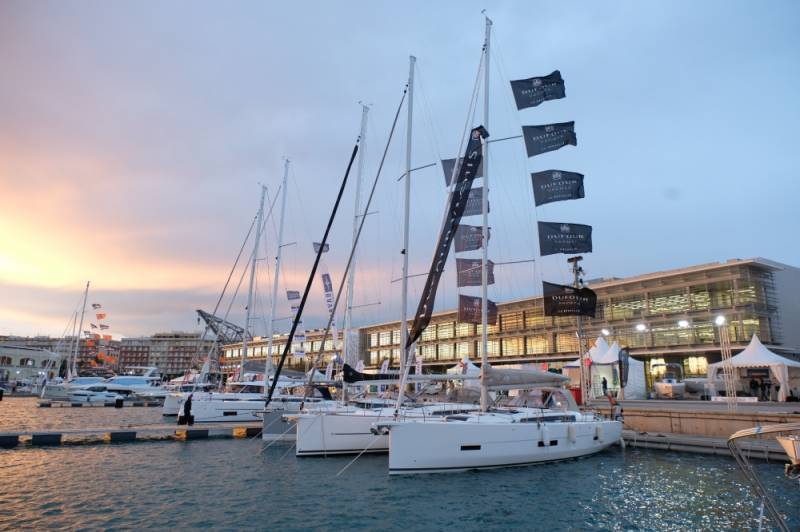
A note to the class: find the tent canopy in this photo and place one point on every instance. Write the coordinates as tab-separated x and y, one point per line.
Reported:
596	353
755	355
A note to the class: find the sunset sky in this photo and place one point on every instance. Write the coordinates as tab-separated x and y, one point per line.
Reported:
134	136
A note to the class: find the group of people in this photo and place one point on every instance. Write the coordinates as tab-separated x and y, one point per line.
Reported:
762	388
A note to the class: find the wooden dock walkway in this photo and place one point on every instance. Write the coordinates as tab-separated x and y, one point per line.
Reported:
160	431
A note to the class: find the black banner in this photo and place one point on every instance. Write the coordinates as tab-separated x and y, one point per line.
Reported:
469	272
533	91
556	185
352	375
447	166
470	237
469	310
475	203
455	210
325	249
624	365
564	300
555	237
549	137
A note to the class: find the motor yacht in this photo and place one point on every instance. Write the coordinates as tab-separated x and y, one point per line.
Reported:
94	393
59	390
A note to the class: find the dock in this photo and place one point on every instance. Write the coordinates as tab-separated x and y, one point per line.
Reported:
67	404
154	432
763	449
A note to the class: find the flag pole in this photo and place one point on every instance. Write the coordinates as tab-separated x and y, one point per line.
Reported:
577	271
485	229
271	322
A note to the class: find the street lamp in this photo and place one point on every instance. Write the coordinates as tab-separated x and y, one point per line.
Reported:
720	320
683	324
605	332
641	327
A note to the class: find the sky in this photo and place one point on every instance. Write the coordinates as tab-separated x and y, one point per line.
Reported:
135	136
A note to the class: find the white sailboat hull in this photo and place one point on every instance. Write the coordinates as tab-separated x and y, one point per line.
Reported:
227	410
331	434
435	447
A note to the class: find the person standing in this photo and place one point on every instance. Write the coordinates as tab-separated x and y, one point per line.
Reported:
753	387
605	386
763	390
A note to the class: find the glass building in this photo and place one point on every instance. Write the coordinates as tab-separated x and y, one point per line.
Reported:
660	317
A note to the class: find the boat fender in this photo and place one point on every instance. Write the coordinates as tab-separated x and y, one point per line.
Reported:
545	434
598	433
572	433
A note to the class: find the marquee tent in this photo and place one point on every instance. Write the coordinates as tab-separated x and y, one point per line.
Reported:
782	370
605	363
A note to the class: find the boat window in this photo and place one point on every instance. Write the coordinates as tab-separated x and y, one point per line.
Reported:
553	442
470	447
457	418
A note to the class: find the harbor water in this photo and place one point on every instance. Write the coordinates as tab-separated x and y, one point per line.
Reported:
229	484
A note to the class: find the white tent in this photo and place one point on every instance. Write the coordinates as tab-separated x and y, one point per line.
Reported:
605	360
466	367
783	370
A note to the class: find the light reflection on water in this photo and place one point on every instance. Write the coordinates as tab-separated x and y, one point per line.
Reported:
227	484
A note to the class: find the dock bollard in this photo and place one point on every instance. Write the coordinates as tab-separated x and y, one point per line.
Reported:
118	403
2	391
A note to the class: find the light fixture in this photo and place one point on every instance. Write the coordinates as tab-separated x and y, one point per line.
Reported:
720	320
683	323
605	332
641	327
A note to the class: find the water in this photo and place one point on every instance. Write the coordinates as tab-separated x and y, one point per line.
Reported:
229	484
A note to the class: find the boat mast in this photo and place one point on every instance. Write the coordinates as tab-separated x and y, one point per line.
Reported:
485	232
271	322
71	369
351	277
406	203
576	282
250	288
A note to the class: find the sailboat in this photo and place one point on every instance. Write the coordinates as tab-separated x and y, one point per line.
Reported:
543	425
347	428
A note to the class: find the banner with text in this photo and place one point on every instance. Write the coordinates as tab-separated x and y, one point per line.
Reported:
548	137
565	300
556	185
455	210
475	203
533	91
469	272
469	310
327	287
447	166
555	237
470	237
300	334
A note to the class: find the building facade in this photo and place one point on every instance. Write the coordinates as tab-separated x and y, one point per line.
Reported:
257	349
91	353
173	353
22	363
660	317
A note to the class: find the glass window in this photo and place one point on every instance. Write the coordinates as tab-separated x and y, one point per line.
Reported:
668	302
721	294
462	349
534	318
704	332
695	366
536	345
446	351
374	358
511	321
513	346
396	336
494	348
446	330
749	292
373	339
386	338
566	343
628	307
429	333
699	298
657	367
385	354
465	329
429	352
328	345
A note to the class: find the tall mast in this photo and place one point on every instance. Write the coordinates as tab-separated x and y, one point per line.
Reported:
271	322
248	309
485	233
351	277
406	203
71	369
577	271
